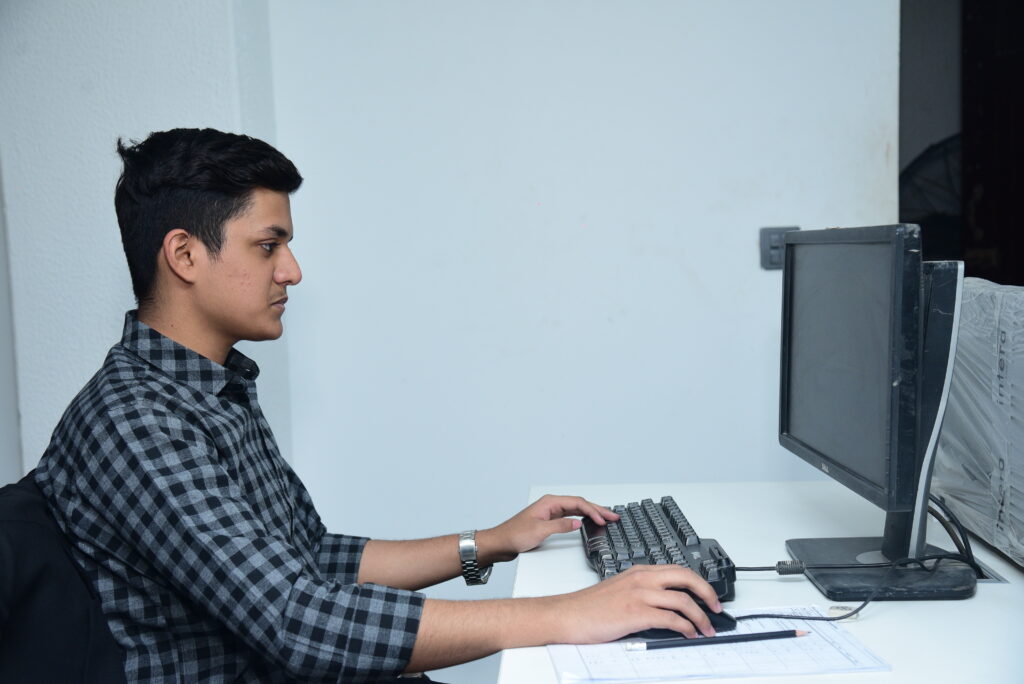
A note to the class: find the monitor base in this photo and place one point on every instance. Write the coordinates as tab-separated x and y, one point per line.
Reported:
950	580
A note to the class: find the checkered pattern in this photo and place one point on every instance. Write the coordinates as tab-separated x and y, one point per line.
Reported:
211	562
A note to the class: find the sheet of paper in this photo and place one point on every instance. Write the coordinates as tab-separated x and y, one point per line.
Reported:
827	649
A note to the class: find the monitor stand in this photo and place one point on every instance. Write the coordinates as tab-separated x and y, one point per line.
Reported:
949	580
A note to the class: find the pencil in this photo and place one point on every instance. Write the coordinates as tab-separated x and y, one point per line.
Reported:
711	641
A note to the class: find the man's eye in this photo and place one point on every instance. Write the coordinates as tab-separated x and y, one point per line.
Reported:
269	246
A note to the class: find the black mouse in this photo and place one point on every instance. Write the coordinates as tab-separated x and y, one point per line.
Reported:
722	622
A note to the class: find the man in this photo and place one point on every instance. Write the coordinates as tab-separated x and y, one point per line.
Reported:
205	549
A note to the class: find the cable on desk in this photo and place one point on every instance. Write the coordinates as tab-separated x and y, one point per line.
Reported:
893	566
797	567
950	523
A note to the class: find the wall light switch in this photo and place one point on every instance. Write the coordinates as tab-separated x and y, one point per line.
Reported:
773	247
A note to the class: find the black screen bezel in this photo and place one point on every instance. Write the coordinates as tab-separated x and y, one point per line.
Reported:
898	490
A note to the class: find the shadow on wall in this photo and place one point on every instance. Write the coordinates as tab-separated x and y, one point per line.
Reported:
10	440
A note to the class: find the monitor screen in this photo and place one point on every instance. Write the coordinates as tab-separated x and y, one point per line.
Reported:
851	338
839	361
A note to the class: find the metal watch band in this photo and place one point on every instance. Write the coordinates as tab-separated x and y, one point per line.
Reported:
467	556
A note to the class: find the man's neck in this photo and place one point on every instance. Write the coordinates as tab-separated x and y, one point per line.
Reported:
186	331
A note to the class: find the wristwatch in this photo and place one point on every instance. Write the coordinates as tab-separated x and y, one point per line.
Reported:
470	565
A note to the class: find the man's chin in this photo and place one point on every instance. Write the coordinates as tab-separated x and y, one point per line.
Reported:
265	334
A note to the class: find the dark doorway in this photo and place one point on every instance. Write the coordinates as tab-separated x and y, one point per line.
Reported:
961	178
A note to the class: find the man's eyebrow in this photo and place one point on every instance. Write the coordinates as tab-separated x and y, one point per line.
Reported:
278	232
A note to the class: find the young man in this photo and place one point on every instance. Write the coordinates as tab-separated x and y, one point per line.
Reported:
204	547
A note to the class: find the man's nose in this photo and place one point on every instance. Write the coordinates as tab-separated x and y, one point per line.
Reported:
288	271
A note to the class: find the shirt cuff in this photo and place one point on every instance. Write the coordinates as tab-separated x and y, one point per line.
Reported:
339	556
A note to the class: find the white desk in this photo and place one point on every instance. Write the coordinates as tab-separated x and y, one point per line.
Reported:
977	640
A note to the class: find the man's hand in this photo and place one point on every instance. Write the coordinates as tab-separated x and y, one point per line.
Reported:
538	521
453	632
637	599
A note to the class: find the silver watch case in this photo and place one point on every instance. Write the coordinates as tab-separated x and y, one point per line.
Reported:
470	565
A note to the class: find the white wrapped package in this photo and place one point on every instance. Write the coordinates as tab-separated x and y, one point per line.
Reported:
979	467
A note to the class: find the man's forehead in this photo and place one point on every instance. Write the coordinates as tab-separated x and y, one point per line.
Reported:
268	214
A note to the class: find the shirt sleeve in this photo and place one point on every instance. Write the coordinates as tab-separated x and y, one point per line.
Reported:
337	555
165	489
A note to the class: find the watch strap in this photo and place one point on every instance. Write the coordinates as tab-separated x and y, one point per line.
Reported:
468	558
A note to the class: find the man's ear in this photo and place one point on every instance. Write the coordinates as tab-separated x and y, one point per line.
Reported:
179	252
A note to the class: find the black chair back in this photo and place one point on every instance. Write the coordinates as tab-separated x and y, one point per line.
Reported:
51	626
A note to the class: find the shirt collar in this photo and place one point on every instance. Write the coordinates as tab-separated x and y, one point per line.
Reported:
183	364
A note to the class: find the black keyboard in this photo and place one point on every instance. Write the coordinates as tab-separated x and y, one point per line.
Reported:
656	534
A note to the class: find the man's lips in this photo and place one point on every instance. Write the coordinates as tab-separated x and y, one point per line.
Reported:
280	302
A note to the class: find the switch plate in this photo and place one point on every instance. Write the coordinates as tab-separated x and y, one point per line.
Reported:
773	247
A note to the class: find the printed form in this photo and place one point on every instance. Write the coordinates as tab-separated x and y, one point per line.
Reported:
827	649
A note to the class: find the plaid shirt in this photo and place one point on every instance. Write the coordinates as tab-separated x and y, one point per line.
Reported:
210	561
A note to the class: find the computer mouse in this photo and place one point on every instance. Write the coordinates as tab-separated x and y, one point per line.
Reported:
722	622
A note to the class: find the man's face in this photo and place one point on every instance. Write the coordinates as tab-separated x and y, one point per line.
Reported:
242	290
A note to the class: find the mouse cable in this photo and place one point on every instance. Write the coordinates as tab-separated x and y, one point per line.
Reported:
893	566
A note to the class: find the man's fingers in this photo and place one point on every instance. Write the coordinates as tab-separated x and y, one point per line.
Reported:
686	627
675	589
676	577
563	525
600	514
677	612
681	603
702	590
560	506
681	612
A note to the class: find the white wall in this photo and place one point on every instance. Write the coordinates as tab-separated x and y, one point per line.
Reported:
529	237
76	76
529	234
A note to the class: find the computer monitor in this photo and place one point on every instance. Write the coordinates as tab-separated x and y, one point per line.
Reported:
868	340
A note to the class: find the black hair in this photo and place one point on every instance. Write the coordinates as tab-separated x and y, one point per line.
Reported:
189	178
